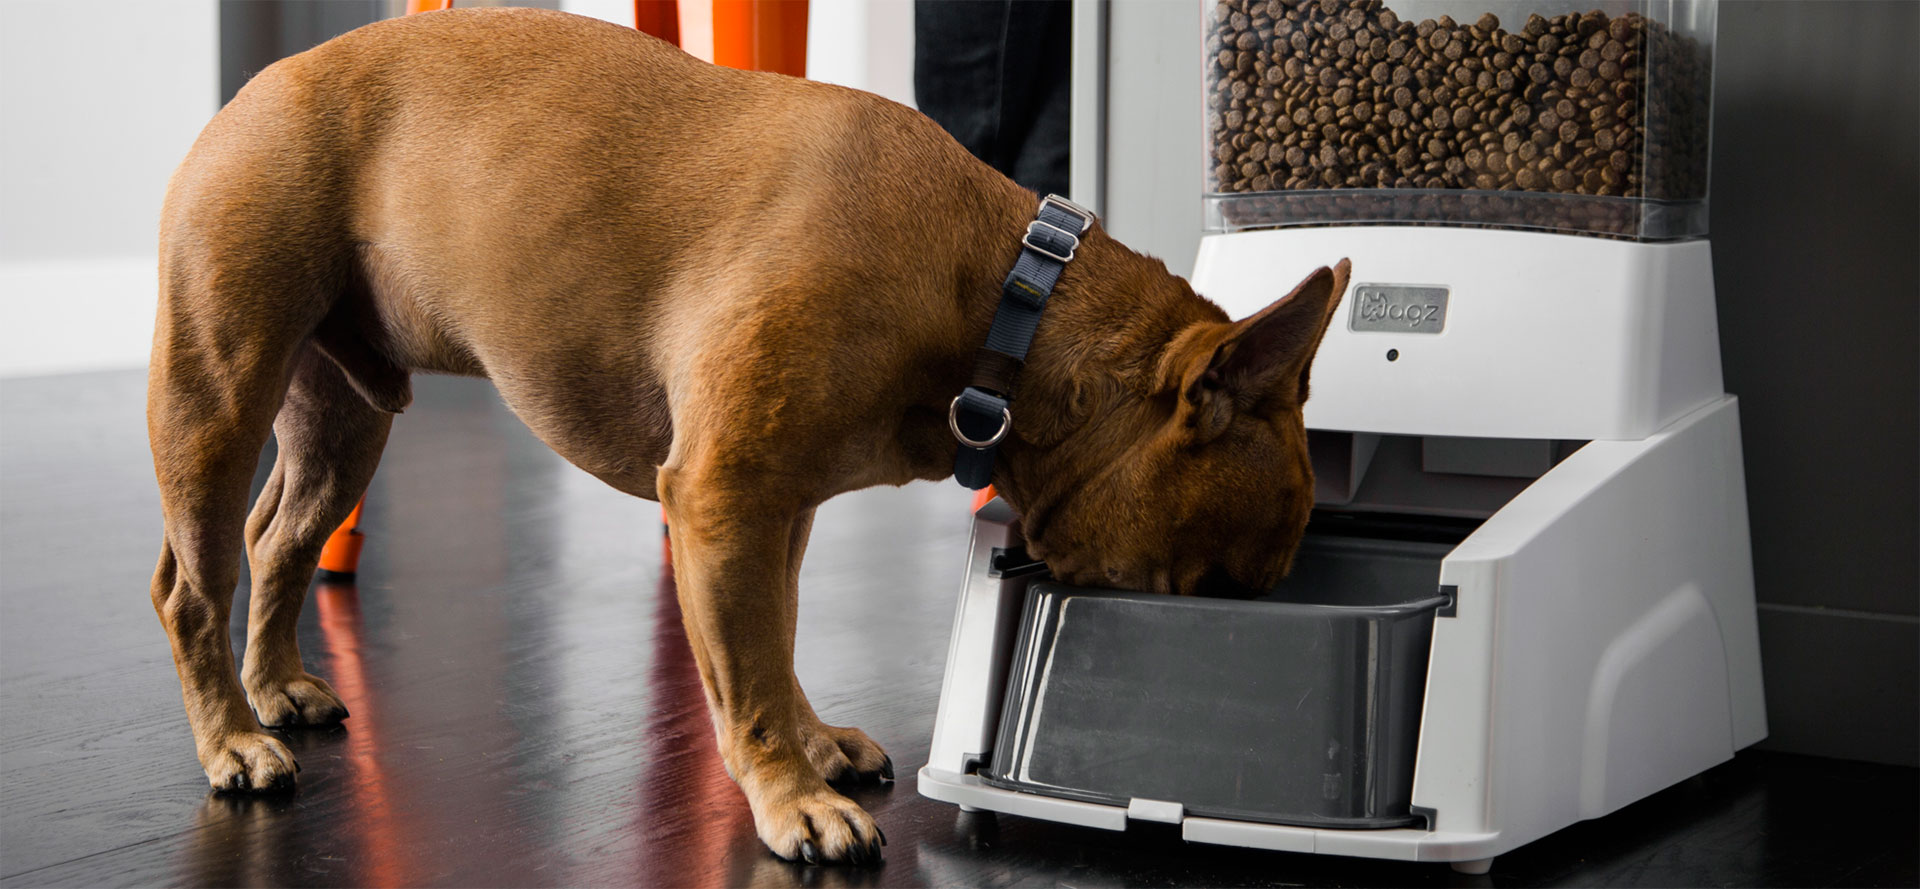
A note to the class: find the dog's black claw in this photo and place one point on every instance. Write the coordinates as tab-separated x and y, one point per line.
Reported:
338	714
874	855
886	768
808	853
882	833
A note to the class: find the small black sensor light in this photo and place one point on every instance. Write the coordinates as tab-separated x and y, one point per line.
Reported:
1393	354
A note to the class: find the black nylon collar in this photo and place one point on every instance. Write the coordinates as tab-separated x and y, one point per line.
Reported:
980	415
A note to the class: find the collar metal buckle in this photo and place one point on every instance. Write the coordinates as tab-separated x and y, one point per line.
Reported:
1073	240
1084	215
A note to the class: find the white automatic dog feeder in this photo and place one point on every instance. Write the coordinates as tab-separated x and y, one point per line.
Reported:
1526	597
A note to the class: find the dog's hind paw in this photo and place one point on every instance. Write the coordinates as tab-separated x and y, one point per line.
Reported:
249	762
821	828
845	755
305	699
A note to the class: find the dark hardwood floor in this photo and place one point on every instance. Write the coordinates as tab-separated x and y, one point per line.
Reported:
526	712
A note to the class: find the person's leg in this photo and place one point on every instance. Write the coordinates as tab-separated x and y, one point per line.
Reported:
995	73
956	68
1036	125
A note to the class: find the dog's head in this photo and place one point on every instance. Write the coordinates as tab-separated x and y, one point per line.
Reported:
1202	485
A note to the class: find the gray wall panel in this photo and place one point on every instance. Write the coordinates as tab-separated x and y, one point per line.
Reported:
1816	243
257	33
1841	683
1153	129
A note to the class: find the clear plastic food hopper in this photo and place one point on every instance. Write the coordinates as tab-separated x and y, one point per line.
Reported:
1526	596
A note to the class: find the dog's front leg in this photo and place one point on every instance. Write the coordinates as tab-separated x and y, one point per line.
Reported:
731	555
838	753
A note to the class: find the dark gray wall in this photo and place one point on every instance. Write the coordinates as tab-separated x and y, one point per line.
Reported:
1816	243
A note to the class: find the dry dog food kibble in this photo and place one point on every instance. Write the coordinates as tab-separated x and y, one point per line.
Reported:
1343	94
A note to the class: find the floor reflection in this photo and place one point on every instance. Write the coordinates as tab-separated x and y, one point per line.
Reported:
379	836
955	858
238	839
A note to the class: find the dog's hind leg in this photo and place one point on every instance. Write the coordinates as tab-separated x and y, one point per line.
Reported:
330	439
217	377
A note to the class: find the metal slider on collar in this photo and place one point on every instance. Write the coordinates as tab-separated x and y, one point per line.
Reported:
1051	240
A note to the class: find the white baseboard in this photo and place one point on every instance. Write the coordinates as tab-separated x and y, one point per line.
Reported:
75	315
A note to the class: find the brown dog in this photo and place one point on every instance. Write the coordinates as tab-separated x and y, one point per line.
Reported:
737	293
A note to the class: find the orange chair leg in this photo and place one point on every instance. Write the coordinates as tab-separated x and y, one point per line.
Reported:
340	558
414	6
761	35
661	18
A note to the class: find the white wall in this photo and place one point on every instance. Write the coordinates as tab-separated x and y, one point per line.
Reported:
619	12
864	44
98	102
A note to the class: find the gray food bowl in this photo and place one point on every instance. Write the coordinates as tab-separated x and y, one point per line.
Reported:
1300	707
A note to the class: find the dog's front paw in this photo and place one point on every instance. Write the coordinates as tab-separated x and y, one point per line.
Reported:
249	762
844	755
819	827
304	699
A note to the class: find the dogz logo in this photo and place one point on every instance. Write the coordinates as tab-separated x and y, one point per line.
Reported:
1398	308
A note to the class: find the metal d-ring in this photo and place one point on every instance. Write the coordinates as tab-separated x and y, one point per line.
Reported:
953	423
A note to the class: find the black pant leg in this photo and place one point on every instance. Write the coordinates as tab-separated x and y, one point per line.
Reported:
994	74
956	69
1036	119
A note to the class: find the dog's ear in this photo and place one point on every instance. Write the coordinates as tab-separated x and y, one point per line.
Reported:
1266	358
